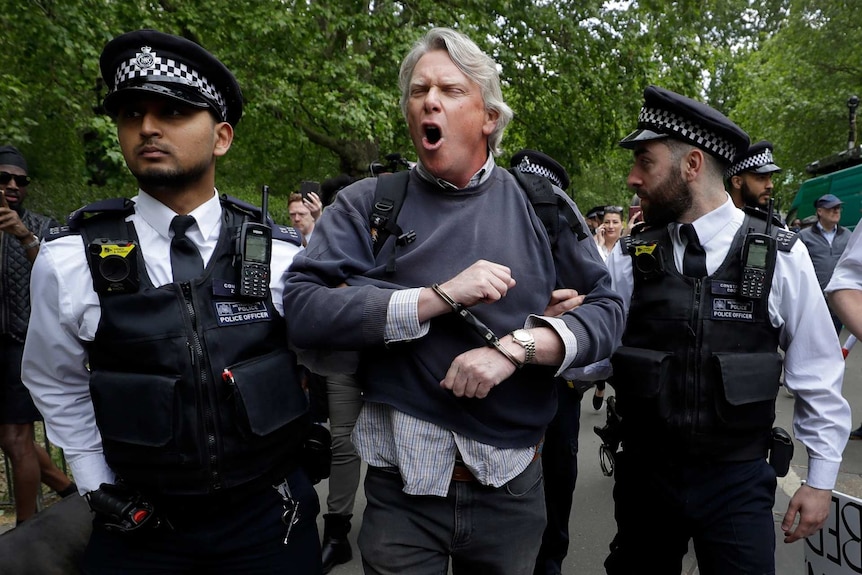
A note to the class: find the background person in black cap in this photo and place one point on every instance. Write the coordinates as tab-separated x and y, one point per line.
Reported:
185	433
749	178
698	370
826	240
594	217
22	230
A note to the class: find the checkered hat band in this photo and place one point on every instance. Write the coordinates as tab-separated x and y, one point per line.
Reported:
755	161
665	121
530	168
170	70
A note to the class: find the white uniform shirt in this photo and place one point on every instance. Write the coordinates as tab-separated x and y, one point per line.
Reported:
813	363
848	270
65	314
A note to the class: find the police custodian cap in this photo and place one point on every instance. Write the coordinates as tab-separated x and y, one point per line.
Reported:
155	63
666	114
533	162
757	159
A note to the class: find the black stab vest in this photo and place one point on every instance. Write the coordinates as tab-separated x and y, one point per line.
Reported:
194	388
698	370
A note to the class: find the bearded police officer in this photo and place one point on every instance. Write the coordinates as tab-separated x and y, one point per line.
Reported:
749	178
184	433
712	298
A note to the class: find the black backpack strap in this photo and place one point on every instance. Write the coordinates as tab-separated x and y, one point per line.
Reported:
388	199
549	205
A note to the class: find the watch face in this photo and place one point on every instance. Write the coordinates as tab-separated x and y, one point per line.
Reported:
521	335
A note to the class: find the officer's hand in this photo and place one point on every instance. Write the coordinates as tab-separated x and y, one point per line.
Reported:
812	507
563	300
482	282
474	373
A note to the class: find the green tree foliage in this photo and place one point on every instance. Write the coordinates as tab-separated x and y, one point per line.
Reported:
320	80
793	91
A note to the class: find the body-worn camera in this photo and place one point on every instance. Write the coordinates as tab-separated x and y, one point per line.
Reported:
115	266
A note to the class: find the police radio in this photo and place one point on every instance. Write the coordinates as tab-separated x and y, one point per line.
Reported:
758	260
254	250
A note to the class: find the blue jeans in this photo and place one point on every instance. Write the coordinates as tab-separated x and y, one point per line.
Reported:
483	529
217	534
724	508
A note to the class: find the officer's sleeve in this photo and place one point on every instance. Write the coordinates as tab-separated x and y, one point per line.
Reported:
54	366
596	326
813	364
848	270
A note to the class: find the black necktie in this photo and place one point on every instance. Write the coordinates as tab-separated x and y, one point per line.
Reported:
694	260
186	261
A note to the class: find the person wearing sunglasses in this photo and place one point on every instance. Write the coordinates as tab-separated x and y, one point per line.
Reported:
22	231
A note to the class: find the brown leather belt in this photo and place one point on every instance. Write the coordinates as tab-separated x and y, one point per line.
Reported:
462	473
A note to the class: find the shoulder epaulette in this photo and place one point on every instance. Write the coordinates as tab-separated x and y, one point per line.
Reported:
56	232
784	239
285	234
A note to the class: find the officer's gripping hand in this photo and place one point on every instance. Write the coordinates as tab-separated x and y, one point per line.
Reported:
812	507
563	300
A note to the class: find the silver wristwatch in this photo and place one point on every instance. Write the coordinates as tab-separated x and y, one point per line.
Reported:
525	339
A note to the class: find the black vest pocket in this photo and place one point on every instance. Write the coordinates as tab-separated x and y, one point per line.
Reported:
640	381
268	393
749	385
134	409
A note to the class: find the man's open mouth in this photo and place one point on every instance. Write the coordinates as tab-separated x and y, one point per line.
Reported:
433	134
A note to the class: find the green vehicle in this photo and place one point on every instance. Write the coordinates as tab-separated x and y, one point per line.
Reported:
840	175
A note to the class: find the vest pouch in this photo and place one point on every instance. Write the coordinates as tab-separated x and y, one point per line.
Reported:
136	415
748	388
640	377
268	394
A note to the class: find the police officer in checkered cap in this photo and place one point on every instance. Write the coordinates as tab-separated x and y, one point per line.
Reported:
749	178
540	164
155	63
170	385
698	371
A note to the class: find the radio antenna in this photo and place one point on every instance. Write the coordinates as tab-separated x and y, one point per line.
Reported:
769	210
264	203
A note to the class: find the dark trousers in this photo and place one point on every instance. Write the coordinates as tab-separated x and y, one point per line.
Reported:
724	508
220	534
560	467
484	530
